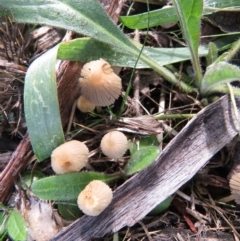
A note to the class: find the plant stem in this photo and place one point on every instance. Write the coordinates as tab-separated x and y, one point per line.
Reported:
173	116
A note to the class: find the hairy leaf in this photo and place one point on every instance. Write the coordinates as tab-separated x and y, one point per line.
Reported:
218	74
67	186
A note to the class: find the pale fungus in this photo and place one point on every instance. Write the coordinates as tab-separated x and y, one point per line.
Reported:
99	84
71	156
114	144
96	196
84	105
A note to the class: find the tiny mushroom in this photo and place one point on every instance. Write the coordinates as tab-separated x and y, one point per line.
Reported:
114	144
96	196
99	84
71	156
84	105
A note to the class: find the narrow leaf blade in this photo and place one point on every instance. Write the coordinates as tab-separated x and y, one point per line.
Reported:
87	49
189	15
67	186
41	105
156	17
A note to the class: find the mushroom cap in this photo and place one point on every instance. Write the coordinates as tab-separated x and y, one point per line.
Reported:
99	84
84	105
114	144
71	156
96	196
234	184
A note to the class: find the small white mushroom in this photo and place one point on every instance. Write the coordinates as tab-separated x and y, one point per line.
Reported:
84	105
114	144
96	196
99	84
71	156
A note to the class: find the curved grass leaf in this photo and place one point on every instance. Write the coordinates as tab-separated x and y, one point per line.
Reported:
156	17
16	227
168	15
41	105
87	49
189	15
67	186
218	74
141	159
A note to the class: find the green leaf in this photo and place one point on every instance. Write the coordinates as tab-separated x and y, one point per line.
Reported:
16	227
41	105
141	159
143	142
87	49
156	17
168	15
2	223
212	53
162	206
189	15
67	186
218	74
69	211
147	141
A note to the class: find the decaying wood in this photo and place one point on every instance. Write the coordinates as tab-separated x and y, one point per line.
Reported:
16	164
190	150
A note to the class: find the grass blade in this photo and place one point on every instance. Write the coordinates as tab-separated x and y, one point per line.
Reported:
189	15
87	49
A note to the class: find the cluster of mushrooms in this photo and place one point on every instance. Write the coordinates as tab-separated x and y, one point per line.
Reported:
100	86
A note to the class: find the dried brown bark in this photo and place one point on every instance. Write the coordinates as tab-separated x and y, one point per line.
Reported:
212	128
